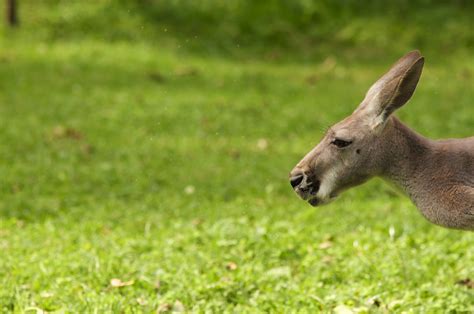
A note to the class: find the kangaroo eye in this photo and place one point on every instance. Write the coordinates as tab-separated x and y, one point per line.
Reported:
341	143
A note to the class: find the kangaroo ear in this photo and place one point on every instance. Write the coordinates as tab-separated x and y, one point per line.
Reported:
393	89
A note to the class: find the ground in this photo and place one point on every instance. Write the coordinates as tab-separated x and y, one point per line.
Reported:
136	178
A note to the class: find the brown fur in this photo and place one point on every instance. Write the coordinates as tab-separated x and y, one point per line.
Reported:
438	176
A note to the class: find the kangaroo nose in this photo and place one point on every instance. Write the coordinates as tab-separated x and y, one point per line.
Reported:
296	180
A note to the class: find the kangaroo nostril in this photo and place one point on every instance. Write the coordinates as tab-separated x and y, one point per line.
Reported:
295	181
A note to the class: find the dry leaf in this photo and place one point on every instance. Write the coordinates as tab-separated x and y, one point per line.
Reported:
142	301
178	307
312	79
343	309
60	132
186	71
328	64
197	222
117	283
231	266
466	282
262	144
326	259
234	153
15	188
87	149
156	76
189	189
163	308
325	245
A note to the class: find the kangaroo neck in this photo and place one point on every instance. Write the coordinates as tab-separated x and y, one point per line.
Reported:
405	158
406	154
436	182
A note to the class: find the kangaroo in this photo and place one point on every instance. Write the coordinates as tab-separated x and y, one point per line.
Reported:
437	175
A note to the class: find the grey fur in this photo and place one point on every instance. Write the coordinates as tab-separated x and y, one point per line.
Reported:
438	176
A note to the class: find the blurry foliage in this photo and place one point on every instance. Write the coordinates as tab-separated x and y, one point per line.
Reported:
302	26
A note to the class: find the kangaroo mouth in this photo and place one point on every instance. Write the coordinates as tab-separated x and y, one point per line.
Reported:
314	202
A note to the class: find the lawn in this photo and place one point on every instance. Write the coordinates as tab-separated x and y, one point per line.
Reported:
138	177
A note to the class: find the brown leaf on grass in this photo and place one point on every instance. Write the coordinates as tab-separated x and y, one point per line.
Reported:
5	59
62	132
262	144
142	301
466	282
327	259
15	188
465	74
87	149
325	245
190	189
234	153
163	308
178	307
157	77
105	230
186	71
312	79
328	64
197	222
231	266
117	283
343	309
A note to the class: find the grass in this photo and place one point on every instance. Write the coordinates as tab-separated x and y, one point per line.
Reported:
268	29
167	170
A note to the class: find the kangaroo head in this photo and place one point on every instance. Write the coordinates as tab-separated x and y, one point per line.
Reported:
352	151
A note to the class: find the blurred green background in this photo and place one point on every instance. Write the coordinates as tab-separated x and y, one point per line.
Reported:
273	29
145	147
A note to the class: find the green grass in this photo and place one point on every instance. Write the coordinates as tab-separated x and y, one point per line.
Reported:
142	162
